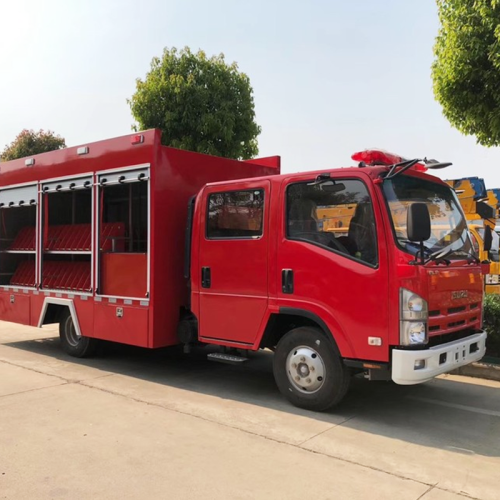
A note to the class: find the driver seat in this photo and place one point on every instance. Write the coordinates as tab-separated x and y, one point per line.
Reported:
362	232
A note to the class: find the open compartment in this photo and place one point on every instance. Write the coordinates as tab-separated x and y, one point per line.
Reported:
67	213
124	234
18	214
67	219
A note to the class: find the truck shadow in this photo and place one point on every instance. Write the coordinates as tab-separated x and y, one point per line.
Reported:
461	417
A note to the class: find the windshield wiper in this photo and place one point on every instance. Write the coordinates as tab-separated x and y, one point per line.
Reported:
440	256
430	256
442	253
407	164
472	258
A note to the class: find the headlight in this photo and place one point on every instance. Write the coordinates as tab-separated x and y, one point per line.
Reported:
416	303
413	332
412	306
413	315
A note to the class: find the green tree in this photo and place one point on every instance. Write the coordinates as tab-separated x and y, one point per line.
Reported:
201	104
466	70
29	143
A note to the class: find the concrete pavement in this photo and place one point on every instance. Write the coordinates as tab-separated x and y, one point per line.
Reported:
155	424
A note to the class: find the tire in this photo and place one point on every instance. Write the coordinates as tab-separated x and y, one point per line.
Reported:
71	343
308	370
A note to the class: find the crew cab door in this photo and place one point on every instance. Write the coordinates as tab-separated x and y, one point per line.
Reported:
233	262
333	261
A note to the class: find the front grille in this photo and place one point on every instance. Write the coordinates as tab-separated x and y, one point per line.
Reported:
449	337
452	319
453	324
453	310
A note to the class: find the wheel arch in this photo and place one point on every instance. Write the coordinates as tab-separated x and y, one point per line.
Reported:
289	318
52	310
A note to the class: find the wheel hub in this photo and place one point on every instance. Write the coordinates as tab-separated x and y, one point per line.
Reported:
305	369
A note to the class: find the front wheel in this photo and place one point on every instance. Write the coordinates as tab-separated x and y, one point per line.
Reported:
308	371
73	344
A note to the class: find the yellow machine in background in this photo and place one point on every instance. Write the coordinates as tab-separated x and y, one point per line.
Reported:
336	218
481	210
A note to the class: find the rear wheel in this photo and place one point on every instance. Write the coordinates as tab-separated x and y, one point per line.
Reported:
73	344
308	371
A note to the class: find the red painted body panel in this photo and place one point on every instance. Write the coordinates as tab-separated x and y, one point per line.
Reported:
128	329
124	274
15	307
181	175
175	176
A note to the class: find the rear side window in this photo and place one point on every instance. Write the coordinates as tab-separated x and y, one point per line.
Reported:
235	214
335	214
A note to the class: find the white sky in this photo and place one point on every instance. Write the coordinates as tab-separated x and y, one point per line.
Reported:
330	77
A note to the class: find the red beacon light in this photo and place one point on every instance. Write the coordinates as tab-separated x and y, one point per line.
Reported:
373	157
137	139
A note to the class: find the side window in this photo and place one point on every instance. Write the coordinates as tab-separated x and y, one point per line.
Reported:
335	214
235	214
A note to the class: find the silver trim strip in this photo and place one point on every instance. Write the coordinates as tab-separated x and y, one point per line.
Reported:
120	169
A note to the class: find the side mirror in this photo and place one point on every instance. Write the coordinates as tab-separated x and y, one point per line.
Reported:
418	222
488	238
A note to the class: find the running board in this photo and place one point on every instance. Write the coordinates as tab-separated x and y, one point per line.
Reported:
230	359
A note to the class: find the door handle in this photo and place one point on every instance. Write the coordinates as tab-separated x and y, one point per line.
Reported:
287	280
206	277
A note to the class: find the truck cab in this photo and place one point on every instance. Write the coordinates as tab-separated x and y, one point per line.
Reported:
396	293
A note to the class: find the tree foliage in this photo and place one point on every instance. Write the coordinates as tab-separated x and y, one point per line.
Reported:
466	70
201	104
492	324
29	143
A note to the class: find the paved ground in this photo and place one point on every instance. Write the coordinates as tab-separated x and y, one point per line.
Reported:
155	425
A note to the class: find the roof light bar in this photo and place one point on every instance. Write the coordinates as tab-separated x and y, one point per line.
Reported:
374	157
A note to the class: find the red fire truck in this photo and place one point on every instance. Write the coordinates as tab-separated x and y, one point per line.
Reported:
129	241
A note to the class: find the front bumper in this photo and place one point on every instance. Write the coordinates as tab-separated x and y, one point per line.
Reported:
439	359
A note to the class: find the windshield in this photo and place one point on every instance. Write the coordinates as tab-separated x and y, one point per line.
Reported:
449	233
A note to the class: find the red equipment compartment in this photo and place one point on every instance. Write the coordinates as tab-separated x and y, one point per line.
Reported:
78	237
24	275
61	275
15	308
124	274
25	240
71	238
129	328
